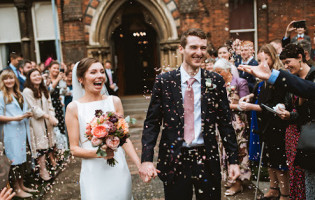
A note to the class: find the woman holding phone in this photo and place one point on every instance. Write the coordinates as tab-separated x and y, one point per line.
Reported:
271	127
57	76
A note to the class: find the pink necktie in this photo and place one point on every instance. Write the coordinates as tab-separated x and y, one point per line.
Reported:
189	129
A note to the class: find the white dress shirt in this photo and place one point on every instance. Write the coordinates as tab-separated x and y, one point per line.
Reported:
110	76
198	141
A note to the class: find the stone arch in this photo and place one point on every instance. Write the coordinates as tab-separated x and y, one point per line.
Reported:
102	17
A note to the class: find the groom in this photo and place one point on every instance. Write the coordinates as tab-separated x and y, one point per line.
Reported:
188	103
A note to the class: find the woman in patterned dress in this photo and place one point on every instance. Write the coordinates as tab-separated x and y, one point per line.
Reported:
236	88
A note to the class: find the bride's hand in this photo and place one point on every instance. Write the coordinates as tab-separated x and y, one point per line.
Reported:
147	171
110	153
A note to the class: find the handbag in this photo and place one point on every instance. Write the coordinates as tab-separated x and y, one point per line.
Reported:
5	162
307	138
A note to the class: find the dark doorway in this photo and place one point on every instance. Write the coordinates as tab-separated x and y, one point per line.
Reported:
135	51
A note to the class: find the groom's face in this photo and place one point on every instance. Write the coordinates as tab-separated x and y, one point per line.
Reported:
194	52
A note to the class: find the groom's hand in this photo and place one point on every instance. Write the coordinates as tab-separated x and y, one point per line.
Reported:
147	171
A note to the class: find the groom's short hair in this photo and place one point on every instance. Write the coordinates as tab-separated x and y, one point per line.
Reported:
192	32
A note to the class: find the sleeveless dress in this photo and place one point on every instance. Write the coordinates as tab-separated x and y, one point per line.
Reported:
98	180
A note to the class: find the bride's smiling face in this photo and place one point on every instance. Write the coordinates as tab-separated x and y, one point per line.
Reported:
94	78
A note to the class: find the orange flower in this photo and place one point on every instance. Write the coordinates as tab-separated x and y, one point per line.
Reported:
100	131
123	125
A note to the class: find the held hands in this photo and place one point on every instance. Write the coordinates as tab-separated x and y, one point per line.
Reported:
147	171
261	71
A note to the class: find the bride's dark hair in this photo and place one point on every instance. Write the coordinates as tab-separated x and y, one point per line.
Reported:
84	65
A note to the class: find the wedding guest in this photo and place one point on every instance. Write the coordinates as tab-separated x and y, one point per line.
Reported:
24	66
68	95
111	83
41	125
34	65
208	64
307	47
294	60
247	58
300	28
14	61
14	115
277	44
57	77
225	52
236	88
271	127
41	67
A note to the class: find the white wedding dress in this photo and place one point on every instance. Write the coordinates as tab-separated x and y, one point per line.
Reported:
98	180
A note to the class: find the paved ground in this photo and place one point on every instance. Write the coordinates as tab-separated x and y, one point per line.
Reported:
66	185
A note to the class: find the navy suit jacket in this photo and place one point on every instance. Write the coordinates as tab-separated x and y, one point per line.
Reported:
300	87
251	80
166	109
287	40
21	80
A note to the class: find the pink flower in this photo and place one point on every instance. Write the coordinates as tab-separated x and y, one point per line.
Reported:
112	142
96	141
101	119
88	130
100	131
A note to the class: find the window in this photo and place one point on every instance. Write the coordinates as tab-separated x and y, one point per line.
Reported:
44	32
243	22
10	36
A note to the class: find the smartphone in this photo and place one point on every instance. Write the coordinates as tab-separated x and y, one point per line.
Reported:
62	70
269	109
46	72
299	24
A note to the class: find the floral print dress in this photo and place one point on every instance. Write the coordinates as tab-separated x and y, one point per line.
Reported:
236	89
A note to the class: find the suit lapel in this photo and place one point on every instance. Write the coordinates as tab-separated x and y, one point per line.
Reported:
204	96
177	94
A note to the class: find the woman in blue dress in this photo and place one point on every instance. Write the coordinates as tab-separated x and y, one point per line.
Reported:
14	116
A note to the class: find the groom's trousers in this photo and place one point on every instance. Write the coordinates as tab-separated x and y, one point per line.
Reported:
193	172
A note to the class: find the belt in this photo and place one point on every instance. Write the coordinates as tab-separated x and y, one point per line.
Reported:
193	149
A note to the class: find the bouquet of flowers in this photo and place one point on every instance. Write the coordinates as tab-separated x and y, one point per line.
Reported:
107	130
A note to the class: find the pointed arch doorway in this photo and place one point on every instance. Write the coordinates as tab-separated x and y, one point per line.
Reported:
136	58
135	50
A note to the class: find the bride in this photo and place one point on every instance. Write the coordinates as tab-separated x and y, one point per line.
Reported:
98	180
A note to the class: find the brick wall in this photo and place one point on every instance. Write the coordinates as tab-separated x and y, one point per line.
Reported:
210	15
72	30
